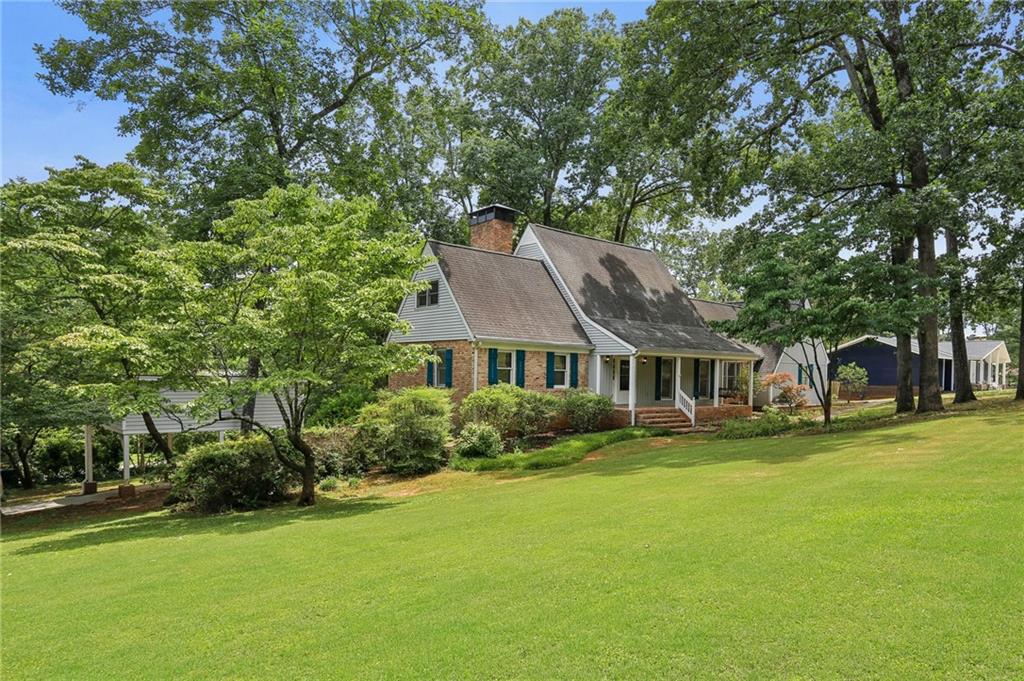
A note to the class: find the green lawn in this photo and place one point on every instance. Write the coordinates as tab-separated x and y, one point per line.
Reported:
896	552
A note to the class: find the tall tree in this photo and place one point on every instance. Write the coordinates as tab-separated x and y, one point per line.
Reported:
231	98
74	240
540	88
883	74
313	286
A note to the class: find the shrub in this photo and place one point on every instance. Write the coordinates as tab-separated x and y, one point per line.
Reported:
343	406
406	432
335	454
238	474
854	378
789	393
511	410
329	484
478	440
586	410
771	422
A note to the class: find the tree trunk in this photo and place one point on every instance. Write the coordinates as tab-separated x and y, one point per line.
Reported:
961	369
28	481
308	495
826	405
161	444
253	372
902	252
1020	351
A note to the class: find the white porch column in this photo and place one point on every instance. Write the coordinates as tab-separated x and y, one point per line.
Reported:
718	379
598	370
679	376
750	388
632	390
126	471
88	454
220	436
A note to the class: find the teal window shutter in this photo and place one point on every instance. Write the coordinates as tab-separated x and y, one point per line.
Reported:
448	368
799	374
521	368
430	373
657	378
696	378
810	374
574	370
551	370
492	366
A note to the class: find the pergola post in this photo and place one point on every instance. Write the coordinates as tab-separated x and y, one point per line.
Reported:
632	390
126	469
89	486
750	388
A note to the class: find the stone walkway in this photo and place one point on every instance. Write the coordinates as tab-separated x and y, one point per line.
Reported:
73	500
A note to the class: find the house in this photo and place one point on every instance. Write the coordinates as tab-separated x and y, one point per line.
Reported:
564	310
805	362
989	361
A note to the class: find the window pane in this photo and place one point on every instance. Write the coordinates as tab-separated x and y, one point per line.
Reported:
560	362
624	375
667	378
439	371
504	366
434	295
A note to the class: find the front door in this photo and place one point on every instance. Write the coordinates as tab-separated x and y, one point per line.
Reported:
621	379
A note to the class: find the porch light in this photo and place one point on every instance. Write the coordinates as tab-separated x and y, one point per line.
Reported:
643	360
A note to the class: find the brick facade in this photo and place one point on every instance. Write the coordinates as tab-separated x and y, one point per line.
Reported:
493	235
706	415
535	377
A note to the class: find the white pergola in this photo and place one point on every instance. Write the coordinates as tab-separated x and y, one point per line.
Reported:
266	412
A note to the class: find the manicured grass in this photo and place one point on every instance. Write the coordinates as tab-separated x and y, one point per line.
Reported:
563	452
896	552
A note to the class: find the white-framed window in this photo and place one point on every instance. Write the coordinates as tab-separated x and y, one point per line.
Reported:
440	370
506	359
731	376
428	296
667	378
561	373
704	378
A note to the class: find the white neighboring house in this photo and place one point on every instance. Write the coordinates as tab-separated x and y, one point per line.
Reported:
806	362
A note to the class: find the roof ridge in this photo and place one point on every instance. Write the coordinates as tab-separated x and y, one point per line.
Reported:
593	238
716	302
480	250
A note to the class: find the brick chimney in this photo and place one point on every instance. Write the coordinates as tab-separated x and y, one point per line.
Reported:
492	228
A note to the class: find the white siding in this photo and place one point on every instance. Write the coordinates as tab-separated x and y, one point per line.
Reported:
266	413
604	343
434	322
794	356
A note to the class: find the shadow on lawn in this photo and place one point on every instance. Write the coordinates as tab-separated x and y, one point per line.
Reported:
778	450
683	453
162	525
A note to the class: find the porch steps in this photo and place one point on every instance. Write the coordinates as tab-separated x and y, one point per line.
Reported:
664	417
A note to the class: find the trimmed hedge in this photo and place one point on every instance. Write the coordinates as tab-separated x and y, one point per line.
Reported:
585	410
509	409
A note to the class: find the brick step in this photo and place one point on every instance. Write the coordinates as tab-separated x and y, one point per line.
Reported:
674	423
662	417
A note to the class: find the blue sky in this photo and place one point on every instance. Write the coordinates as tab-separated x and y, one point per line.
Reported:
40	129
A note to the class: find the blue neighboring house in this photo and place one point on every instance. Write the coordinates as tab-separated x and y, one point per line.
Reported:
989	362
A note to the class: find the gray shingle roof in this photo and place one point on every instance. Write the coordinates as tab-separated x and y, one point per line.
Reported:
713	311
976	349
503	296
630	292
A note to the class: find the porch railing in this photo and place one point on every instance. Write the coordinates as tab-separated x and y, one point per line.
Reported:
685	404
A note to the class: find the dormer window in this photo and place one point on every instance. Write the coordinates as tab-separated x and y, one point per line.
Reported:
429	296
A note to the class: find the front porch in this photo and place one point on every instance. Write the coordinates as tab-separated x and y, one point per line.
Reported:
648	387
